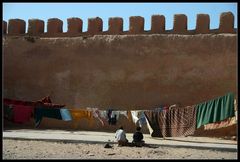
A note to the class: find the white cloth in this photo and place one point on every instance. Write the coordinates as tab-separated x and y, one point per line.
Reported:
149	127
118	113
134	116
235	108
103	114
138	117
120	135
96	114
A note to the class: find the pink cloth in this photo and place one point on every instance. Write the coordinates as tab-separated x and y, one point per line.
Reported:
21	113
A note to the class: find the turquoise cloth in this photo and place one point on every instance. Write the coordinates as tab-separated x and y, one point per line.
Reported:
66	115
215	110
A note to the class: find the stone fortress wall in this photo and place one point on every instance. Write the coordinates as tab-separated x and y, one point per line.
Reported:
124	70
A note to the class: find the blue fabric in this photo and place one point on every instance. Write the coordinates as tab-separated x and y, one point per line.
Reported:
66	115
160	109
142	120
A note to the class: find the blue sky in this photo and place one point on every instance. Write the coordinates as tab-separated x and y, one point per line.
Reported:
44	11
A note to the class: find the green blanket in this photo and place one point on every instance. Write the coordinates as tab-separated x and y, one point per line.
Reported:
215	110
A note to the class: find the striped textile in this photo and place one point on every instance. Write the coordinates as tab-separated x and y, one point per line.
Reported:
172	123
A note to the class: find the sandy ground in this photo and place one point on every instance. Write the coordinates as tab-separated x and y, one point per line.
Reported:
29	149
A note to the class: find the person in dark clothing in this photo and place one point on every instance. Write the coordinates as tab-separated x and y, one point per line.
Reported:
138	138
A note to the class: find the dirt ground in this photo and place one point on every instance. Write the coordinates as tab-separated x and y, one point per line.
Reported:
29	149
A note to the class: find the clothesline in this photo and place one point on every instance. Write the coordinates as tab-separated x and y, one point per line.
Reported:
59	106
175	122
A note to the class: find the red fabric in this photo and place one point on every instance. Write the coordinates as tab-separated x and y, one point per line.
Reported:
21	113
166	108
18	102
45	102
50	105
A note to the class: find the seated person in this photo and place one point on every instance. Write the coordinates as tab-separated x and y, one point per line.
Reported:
138	138
121	137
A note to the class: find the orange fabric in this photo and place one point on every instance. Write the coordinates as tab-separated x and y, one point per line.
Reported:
129	115
225	123
78	114
221	124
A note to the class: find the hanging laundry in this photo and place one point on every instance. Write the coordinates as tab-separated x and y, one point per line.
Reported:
172	123
221	124
43	102
109	116
22	111
96	114
134	116
22	114
112	117
109	113
162	108
18	102
152	123
178	121
66	116
8	112
46	100
215	110
235	109
51	105
124	113
119	113
112	120
225	123
104	116
173	106
138	117
158	109
78	114
129	115
149	127
40	112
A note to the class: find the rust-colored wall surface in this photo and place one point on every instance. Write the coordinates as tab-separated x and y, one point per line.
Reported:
124	70
119	71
